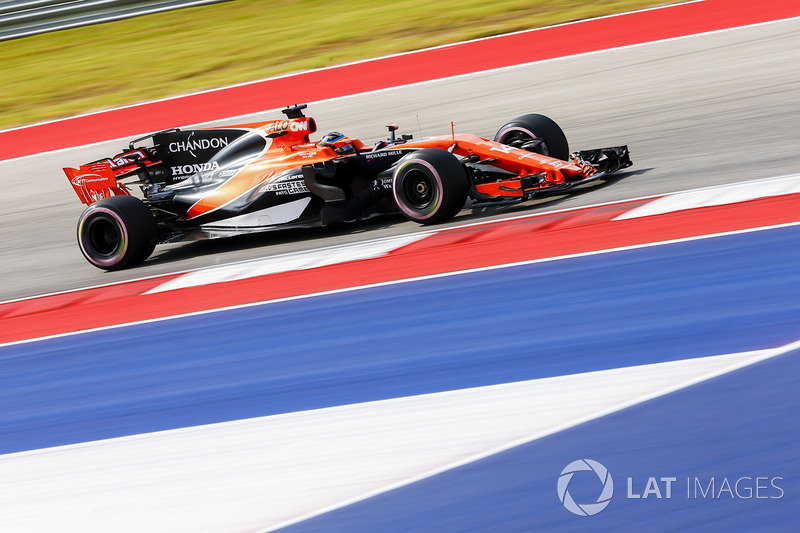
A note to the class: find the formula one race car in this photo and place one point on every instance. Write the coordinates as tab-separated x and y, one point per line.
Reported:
207	183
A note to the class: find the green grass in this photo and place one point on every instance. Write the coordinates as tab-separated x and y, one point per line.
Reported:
96	67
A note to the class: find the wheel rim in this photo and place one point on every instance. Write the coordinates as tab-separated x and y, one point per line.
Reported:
418	189
103	237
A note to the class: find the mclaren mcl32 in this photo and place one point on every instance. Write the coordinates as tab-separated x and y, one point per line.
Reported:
216	182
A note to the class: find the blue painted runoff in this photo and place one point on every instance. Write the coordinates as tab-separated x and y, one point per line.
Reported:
669	302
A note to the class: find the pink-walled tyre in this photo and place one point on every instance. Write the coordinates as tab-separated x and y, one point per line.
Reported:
117	232
430	186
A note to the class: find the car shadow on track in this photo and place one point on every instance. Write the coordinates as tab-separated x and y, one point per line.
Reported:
271	240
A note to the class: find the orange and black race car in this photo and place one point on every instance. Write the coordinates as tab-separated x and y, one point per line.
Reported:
207	183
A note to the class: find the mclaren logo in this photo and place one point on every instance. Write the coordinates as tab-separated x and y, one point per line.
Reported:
184	170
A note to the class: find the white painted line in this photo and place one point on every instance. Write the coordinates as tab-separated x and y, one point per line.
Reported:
594	395
424	233
716	196
406	280
342	65
289	262
273	471
377	91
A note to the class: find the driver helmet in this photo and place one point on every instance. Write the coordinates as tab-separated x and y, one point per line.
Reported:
338	142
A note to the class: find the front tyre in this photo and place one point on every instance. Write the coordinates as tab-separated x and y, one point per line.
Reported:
430	186
535	133
116	232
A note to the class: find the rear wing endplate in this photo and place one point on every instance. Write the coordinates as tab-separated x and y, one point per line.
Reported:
94	182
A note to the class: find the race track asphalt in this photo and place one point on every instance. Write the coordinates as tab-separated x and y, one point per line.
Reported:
702	110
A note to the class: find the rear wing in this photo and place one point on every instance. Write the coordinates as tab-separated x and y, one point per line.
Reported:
95	181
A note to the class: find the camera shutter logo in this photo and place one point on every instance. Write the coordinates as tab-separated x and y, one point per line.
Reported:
585	509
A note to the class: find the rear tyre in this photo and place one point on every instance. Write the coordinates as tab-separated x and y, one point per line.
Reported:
430	186
117	232
535	133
